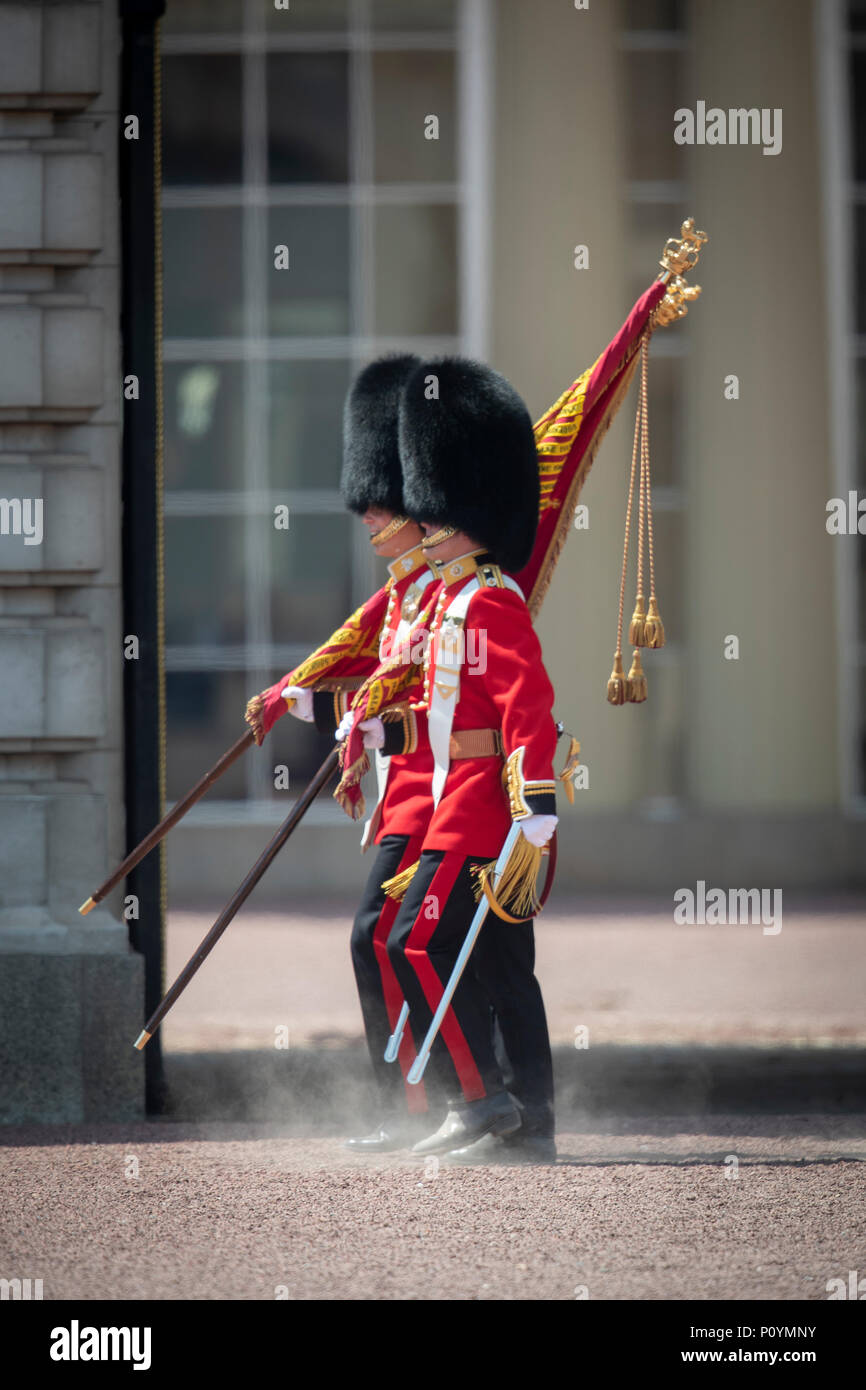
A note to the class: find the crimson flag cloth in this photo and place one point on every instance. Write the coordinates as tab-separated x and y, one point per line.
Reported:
567	437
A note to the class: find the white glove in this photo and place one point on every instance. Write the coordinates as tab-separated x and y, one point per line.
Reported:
373	731
538	829
303	706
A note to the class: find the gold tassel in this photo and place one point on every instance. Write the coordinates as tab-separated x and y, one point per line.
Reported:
517	888
638	622
569	771
253	717
616	684
654	632
396	887
636	682
359	768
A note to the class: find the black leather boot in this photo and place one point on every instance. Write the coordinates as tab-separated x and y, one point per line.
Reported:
467	1121
393	1132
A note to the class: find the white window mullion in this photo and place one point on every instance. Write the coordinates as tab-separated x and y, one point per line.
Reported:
474	142
366	571
256	264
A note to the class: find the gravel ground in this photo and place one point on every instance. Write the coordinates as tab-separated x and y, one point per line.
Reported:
642	1209
625	975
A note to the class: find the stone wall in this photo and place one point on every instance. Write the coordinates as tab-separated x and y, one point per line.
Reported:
70	987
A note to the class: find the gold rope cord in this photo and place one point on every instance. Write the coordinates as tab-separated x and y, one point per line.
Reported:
653	634
616	687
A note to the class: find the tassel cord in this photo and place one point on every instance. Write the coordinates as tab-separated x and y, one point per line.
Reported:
645	467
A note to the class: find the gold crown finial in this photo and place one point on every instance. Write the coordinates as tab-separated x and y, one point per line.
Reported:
680	255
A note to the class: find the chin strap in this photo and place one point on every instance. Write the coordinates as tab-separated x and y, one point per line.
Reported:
443	534
390	530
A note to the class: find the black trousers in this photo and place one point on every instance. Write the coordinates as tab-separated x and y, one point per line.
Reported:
504	962
423	945
379	991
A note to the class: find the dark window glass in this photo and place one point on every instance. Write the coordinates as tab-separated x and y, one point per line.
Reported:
407	88
858	114
201	119
655	14
310	576
204	441
857	15
204	578
860	260
308	118
306	423
298	747
202	16
413	14
416	270
205	715
654	83
860	475
203	279
311	298
324	15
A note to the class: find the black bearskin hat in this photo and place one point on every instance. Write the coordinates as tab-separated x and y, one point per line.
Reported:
372	476
469	456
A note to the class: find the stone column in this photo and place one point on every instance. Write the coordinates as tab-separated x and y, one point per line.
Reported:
70	987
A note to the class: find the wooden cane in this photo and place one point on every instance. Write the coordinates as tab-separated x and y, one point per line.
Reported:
296	814
178	811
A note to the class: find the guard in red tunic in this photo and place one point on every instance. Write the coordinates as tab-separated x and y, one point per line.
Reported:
321	689
471	477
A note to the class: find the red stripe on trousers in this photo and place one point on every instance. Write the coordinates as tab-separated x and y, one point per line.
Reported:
416	1096
416	953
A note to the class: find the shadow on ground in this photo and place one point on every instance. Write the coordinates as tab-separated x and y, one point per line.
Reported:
328	1089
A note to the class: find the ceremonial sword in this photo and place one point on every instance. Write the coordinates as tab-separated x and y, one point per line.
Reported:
416	1071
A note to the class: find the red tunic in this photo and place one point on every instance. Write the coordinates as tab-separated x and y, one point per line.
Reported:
503	685
408	801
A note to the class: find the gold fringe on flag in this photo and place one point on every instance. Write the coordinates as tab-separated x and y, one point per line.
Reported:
358	769
253	717
517	889
396	887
